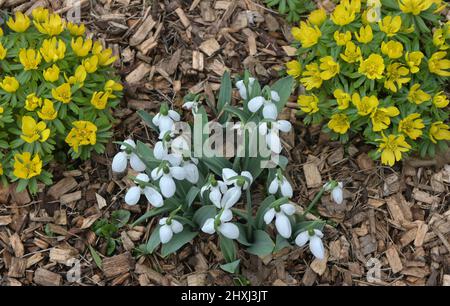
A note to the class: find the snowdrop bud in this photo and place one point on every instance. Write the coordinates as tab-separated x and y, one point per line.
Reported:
208	226
133	195
337	194
286	188
165	233
316	247
229	230
283	225
284	125
119	163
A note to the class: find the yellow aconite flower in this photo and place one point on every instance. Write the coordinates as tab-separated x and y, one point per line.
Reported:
294	69
439	131
33	131
308	104
52	26
417	95
62	93
381	117
411	126
100	99
307	35
111	86
366	105
20	24
25	167
391	148
9	84
312	78
30	59
440	100
372	67
437	64
414	7
413	60
3	52
342	15
83	133
339	123
105	57
352	53
317	17
393	49
395	77
47	111
81	47
342	38
32	102
1	169
75	29
91	64
390	25
342	98
40	14
329	67
51	74
1	32
365	35
439	39
53	50
79	76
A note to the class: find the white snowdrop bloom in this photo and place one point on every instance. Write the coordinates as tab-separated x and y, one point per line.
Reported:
315	242
271	132
282	223
191	171
270	110
133	194
120	160
228	174
161	152
337	193
166	175
165	120
215	192
242	89
226	228
192	106
281	183
166	231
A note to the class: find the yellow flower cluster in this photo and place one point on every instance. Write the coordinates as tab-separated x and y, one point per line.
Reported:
56	87
384	78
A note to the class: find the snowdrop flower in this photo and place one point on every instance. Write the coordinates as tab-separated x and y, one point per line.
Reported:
222	224
229	177
315	242
120	160
190	170
281	183
165	120
270	131
336	191
243	90
282	222
166	173
269	107
168	228
216	191
133	194
192	106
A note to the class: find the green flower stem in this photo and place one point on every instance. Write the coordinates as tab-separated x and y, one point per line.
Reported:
250	221
314	201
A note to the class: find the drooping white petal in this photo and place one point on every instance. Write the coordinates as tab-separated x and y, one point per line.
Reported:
133	195
178	173
208	227
229	230
263	128
156	173
283	225
165	124
228	173
255	104
274	143
215	196
274	96
188	105
318	233
153	196
222	186
273	187
191	173
155	119
302	238
120	162
176	226
288	209
226	216
270	111
159	151
143	177
231	197
204	188
243	92
337	196
286	188
284	125
129	142
174	115
269	215
167	186
136	163
249	176
163	221
316	247
165	233
174	159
